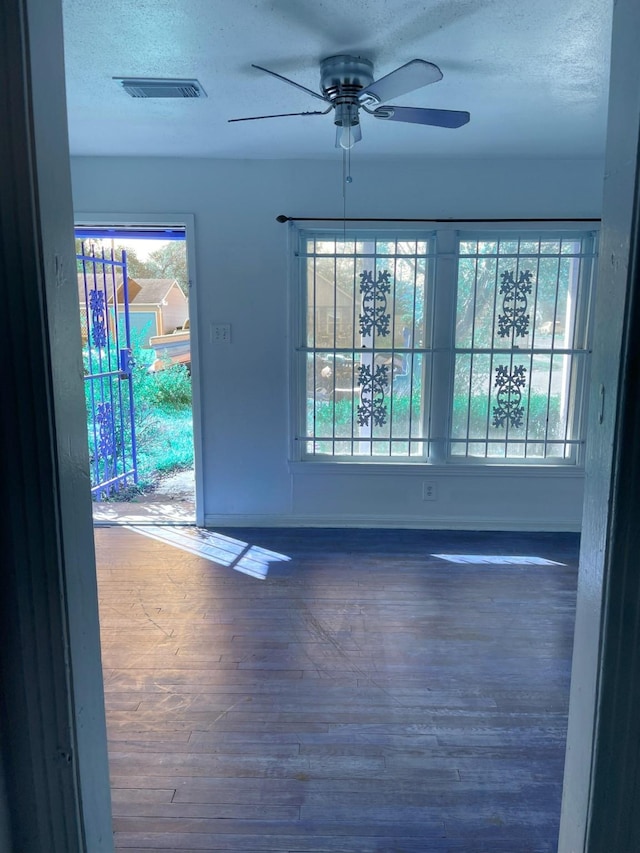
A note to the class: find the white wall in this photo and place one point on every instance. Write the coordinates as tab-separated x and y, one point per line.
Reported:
241	272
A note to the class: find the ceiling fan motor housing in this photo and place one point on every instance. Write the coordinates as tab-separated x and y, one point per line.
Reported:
347	85
341	79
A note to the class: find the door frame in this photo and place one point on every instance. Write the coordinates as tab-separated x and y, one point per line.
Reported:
175	220
52	719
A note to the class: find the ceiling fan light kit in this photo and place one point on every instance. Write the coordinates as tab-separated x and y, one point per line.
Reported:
347	85
342	78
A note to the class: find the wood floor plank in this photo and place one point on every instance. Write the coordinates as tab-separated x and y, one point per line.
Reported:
220	811
366	696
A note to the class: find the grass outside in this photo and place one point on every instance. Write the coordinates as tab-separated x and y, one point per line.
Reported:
165	443
163	420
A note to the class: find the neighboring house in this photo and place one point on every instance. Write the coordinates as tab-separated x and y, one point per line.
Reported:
158	310
156	303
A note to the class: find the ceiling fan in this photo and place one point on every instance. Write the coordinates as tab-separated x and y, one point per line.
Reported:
347	86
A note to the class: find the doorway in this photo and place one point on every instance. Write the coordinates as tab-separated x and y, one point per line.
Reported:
135	288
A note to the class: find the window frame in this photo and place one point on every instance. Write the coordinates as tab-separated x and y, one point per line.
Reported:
441	295
579	355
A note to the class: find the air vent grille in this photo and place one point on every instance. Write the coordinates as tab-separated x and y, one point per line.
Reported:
146	88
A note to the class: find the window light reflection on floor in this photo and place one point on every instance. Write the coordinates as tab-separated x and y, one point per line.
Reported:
497	560
224	550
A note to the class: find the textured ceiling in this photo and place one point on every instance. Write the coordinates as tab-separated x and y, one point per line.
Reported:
533	75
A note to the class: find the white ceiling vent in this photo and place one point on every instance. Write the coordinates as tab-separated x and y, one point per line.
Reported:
140	87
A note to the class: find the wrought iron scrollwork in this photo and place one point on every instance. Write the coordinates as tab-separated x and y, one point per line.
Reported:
372	402
98	325
104	419
509	396
374	303
514	319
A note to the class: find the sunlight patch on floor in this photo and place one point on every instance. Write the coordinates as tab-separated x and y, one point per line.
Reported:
122	512
224	550
496	560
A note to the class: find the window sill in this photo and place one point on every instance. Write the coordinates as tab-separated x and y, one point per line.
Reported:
453	469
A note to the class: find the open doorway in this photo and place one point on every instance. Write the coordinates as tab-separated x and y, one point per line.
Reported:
134	290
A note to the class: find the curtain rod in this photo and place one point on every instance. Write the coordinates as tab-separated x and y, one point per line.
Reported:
283	218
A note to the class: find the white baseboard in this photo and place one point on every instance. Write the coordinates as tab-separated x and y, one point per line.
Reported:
523	525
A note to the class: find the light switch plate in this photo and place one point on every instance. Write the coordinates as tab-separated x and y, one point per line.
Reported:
221	333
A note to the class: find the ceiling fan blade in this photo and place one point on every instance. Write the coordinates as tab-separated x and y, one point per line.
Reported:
281	115
291	83
419	115
413	75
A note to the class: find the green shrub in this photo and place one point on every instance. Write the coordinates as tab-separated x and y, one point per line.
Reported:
163	416
544	419
169	388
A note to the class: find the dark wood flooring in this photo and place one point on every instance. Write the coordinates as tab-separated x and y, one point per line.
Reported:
365	697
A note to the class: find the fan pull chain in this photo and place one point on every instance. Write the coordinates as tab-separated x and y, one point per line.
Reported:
344	195
346	179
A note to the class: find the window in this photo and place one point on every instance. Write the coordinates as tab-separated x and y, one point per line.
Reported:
364	349
444	346
520	346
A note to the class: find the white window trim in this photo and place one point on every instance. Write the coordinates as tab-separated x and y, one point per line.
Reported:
186	221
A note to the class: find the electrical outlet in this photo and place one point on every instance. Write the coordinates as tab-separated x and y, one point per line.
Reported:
220	333
429	491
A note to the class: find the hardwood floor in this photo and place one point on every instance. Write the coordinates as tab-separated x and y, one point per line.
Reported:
365	697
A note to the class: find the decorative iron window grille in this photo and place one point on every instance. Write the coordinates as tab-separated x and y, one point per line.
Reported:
365	334
521	346
443	347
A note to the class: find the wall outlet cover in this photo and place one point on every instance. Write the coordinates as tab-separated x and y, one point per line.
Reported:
429	491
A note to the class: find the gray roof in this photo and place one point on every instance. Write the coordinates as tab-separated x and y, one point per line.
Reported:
152	290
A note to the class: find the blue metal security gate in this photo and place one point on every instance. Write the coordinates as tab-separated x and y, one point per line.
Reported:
108	364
